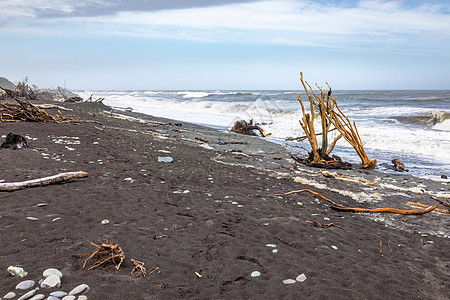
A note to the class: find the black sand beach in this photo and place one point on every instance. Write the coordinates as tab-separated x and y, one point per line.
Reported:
205	219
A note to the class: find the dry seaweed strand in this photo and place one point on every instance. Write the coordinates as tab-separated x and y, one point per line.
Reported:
367	210
443	211
106	253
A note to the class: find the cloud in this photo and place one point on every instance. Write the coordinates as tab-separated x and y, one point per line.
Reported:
362	24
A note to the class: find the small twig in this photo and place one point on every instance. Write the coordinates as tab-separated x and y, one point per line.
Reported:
389	245
285	242
317	224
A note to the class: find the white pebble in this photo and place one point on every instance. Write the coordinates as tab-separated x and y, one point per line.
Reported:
29	294
255	274
186	191
51	282
271	245
105	222
326	219
37	297
25	285
52	298
289	281
275	250
32	219
301	278
52	271
58	294
79	289
56	219
69	297
10	295
82	297
128	179
334	247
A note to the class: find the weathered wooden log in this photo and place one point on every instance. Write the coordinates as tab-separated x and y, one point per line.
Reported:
13	186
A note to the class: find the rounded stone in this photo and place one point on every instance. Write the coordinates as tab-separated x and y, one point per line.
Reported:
289	281
81	289
37	297
25	285
301	278
52	298
58	294
82	297
255	274
69	297
10	295
52	271
29	294
51	282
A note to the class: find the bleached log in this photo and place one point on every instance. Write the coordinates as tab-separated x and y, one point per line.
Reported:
13	186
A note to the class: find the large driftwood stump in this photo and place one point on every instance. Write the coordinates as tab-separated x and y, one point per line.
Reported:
13	186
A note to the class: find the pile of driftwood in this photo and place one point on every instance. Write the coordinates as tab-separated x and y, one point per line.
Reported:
22	110
248	128
330	114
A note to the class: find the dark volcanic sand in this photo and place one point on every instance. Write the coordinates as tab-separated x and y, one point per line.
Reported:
218	229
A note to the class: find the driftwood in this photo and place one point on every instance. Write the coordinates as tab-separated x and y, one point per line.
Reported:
248	128
25	111
367	210
13	186
106	253
330	114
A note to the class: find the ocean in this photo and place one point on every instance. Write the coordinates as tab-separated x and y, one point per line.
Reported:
413	126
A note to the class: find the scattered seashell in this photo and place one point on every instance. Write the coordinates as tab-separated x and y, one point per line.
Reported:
82	288
56	219
25	285
255	274
52	271
289	281
51	282
19	271
301	278
105	221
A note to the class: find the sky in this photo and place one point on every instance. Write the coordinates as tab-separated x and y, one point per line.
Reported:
226	45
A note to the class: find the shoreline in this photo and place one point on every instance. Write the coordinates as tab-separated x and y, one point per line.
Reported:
217	208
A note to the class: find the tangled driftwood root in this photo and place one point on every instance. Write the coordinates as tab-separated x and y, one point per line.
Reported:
25	111
106	253
248	128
